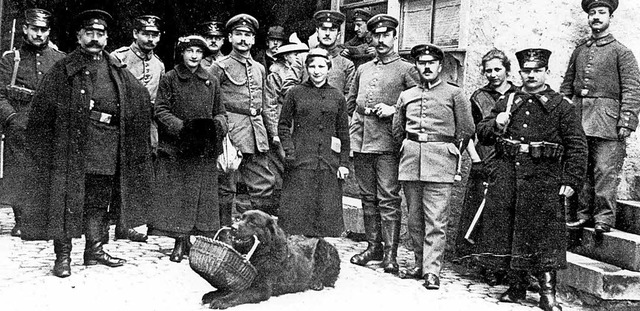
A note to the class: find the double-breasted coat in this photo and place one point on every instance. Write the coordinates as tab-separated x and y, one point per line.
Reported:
187	187
56	136
527	226
312	120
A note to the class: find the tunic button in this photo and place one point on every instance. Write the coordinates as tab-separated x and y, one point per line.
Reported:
37	54
517	163
586	79
524	125
82	91
530	100
527	113
39	63
421	130
39	72
521	138
87	72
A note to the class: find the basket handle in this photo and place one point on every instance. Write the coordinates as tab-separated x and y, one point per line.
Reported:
253	247
215	237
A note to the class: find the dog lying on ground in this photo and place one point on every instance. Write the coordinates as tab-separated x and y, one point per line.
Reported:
284	265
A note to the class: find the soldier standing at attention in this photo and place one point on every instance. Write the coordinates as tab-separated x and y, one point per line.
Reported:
242	80
147	67
371	102
213	33
604	81
89	146
433	125
360	48
28	64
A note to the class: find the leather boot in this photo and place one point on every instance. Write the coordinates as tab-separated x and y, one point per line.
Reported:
517	289
17	215
391	237
178	250
374	238
547	282
96	221
124	233
62	265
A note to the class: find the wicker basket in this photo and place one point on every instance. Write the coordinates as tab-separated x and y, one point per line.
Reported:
221	265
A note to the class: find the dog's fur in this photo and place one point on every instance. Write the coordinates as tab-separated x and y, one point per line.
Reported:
284	265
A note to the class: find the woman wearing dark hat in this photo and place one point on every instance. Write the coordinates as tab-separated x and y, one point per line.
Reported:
314	131
191	124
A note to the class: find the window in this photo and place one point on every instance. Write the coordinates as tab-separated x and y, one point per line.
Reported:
430	21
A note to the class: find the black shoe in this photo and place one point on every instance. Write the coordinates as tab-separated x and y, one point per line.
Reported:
62	267
601	228
580	223
548	300
130	234
411	273
514	294
431	281
373	252
93	257
16	231
178	250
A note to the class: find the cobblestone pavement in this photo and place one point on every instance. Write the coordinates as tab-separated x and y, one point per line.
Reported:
149	281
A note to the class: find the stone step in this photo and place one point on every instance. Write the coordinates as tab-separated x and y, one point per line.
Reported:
628	216
618	248
601	280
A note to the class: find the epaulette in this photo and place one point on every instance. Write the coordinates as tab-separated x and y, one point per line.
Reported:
452	83
582	42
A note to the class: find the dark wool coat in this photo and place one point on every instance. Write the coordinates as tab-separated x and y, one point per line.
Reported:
186	194
56	136
527	228
312	194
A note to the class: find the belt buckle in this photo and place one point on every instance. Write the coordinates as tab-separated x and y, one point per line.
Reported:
524	148
423	137
584	92
368	111
253	112
105	118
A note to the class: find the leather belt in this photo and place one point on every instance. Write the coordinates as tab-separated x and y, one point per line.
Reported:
426	138
249	112
367	111
597	94
103	117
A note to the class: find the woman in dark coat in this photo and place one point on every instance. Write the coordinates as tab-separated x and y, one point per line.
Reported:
313	128
191	124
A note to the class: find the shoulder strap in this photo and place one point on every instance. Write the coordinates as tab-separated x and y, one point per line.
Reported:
16	63
508	110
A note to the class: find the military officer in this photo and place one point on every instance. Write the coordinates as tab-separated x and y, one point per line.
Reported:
145	65
433	123
360	48
213	33
371	102
29	63
242	81
275	39
604	81
88	147
541	157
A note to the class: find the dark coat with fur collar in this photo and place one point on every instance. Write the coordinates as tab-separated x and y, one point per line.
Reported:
56	134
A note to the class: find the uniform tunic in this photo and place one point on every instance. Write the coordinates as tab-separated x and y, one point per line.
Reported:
147	68
34	63
528	224
187	188
357	48
312	194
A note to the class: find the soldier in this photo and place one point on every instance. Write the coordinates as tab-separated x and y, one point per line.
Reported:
371	102
145	65
541	156
241	91
89	146
20	72
213	33
604	81
360	48
275	39
433	124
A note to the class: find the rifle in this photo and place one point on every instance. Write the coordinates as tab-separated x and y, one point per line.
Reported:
13	36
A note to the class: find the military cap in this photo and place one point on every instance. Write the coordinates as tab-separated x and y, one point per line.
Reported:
382	23
148	23
37	17
533	58
276	32
244	22
212	28
328	18
361	15
291	47
420	50
193	40
93	19
590	4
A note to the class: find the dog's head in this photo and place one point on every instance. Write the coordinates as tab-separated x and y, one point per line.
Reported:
260	224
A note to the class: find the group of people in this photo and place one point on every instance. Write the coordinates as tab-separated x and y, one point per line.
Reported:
95	136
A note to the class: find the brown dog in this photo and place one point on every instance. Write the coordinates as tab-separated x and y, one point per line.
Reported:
285	265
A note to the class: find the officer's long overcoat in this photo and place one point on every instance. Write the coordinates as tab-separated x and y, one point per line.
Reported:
526	230
56	133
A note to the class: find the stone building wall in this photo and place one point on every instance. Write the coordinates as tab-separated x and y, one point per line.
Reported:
558	25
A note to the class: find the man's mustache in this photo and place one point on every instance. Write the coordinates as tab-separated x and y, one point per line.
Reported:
94	44
427	71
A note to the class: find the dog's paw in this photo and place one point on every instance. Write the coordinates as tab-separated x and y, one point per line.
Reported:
221	304
210	296
316	285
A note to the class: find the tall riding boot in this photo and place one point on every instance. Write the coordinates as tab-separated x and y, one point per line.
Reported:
547	282
62	265
178	249
374	238
17	214
517	287
96	221
391	237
